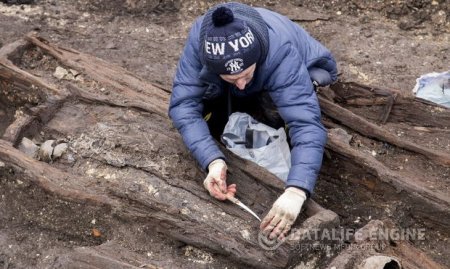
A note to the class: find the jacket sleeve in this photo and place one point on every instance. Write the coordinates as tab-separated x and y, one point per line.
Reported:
185	107
292	91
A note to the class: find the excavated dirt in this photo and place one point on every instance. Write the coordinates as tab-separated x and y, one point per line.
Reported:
382	43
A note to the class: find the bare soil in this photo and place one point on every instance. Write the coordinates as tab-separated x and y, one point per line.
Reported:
382	43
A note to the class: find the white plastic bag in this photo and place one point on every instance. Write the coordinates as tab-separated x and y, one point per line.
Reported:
434	87
259	143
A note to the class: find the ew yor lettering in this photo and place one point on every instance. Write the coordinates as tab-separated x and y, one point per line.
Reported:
236	44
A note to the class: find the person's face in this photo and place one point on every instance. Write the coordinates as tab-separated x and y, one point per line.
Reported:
241	79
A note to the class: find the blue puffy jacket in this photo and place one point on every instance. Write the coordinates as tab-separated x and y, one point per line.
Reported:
293	57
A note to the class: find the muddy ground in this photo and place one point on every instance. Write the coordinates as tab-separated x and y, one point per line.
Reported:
382	43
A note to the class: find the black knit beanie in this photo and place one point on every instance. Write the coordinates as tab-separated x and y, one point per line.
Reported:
229	43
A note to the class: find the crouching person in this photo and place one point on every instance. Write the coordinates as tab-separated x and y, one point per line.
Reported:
238	52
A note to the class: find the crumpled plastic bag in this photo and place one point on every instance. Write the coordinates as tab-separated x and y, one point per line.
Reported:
259	143
434	87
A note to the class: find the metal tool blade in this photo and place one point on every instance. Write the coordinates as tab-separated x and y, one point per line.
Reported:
243	206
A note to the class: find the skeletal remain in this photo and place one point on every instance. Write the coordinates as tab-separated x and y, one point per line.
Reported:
46	150
59	150
29	148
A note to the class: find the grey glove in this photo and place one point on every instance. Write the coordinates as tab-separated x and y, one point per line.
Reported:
283	214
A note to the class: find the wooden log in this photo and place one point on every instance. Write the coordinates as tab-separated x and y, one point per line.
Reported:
388	108
372	130
406	109
28	122
188	228
423	201
14	130
119	80
20	78
91	259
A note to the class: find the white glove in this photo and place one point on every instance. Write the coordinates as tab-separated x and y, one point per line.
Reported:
283	213
216	183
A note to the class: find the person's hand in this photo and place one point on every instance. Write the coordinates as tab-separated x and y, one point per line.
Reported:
216	183
284	211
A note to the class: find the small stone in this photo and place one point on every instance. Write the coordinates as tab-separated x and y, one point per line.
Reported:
111	46
374	153
74	72
245	234
70	159
2	164
134	187
339	13
110	176
60	72
69	76
185	211
79	78
152	190
93	221
341	134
